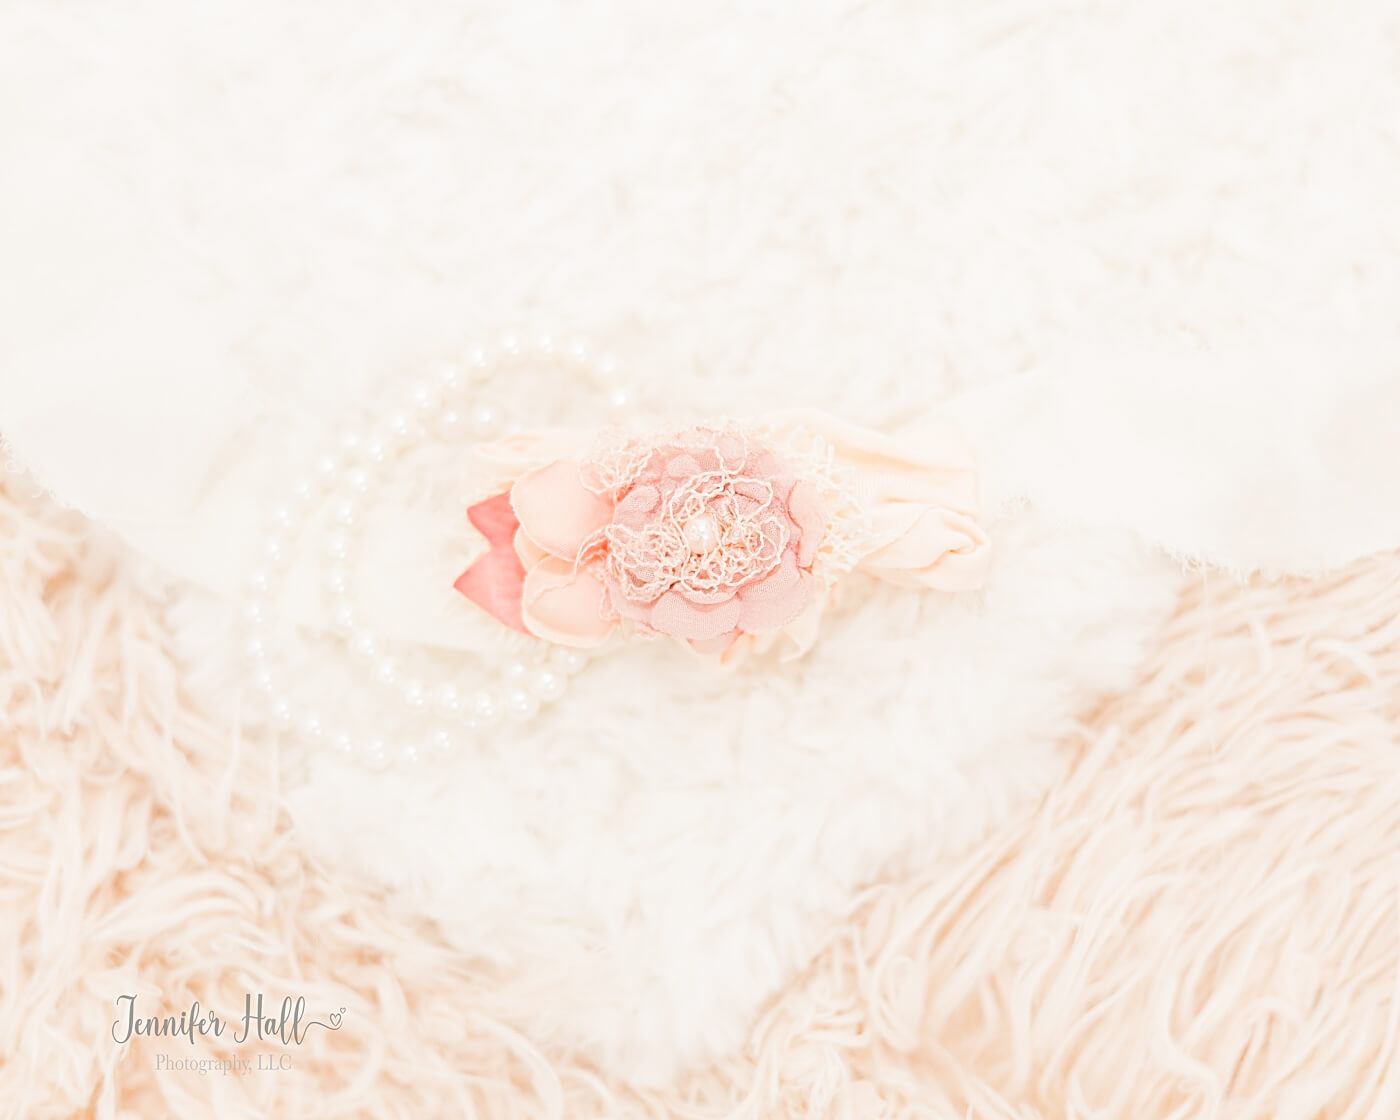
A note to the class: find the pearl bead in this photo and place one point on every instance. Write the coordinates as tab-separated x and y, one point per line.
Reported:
364	645
451	377
337	583
376	450
345	512
485	421
312	727
607	366
344	617
283	517
255	649
414	695
374	753
351	444
275	552
479	358
343	744
484	710
509	345
579	352
619	399
520	705
513	672
282	714
386	671
423	398
327	467
409	754
263	680
568	660
449	699
338	546
544	343
701	533
441	745
548	685
304	491
358	481
254	613
400	424
260	581
451	424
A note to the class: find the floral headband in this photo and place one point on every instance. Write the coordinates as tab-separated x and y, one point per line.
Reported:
729	538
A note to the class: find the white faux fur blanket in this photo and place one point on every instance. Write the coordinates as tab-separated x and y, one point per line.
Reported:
1144	254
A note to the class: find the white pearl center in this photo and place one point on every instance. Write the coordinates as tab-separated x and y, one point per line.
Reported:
701	533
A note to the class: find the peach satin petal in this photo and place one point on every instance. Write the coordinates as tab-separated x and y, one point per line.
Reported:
529	552
494	582
566	606
556	510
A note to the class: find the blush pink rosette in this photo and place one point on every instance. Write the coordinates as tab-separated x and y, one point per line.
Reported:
723	538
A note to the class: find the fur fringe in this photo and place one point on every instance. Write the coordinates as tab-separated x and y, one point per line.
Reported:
1203	920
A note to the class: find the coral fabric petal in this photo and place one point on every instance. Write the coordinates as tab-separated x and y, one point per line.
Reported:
494	519
566	606
494	582
557	510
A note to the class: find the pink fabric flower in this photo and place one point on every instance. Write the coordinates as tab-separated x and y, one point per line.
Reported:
707	537
712	537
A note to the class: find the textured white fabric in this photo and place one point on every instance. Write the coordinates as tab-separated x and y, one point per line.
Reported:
1146	253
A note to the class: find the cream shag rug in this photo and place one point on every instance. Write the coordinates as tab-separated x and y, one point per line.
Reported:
1202	920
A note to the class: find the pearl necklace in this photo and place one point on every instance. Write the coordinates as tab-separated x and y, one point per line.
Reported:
343	476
